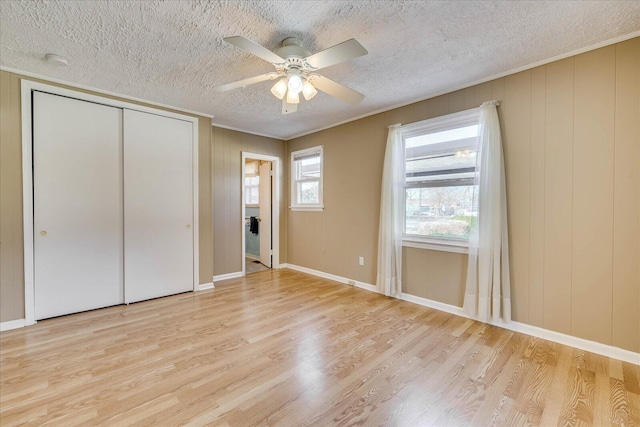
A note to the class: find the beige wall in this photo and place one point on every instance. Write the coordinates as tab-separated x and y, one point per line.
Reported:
11	231
571	138
228	221
333	239
438	276
572	152
11	234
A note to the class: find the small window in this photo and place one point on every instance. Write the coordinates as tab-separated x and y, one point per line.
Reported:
439	166
306	179
252	182
252	190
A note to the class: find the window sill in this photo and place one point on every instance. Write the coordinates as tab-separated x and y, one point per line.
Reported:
436	245
307	208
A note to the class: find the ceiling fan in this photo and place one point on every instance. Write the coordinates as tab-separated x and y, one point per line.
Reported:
296	70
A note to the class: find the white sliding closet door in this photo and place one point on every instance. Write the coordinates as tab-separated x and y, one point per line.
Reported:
78	259
158	207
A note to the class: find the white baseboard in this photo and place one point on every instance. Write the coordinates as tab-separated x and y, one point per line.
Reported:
447	308
227	276
251	256
535	331
366	286
569	340
581	343
12	324
205	286
333	277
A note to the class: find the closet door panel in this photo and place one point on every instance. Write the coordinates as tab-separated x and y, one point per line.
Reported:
77	155
158	206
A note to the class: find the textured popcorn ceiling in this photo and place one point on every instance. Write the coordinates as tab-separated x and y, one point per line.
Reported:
172	52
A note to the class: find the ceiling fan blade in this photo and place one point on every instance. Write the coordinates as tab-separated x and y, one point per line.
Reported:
246	82
254	49
326	85
336	54
288	108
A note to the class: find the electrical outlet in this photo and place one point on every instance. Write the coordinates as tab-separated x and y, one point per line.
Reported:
361	260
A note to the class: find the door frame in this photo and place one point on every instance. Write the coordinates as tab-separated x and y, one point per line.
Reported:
275	206
27	87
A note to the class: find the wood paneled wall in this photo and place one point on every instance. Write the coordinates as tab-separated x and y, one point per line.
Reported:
226	162
11	231
571	139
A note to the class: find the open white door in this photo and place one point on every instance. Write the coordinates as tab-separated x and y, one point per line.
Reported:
265	213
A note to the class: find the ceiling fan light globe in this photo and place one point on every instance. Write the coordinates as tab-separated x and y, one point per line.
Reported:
308	90
279	89
295	83
292	97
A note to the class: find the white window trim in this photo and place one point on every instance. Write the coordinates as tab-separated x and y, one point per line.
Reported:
448	245
307	206
435	124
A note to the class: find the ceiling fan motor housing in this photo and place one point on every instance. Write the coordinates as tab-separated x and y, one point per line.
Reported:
293	51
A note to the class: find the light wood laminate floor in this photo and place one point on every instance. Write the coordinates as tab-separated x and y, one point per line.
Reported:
253	266
284	348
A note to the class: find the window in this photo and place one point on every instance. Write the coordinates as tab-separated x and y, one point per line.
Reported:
251	182
439	168
251	190
306	179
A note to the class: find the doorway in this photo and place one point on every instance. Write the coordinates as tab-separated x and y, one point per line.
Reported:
259	212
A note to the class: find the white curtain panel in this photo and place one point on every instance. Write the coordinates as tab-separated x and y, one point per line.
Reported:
389	280
488	295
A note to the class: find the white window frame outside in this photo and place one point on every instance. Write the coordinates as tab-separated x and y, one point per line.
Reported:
436	124
248	190
295	206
